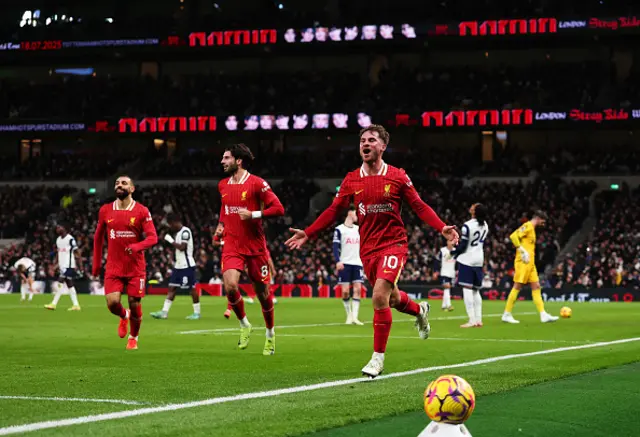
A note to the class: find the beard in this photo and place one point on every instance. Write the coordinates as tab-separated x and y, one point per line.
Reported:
122	194
231	169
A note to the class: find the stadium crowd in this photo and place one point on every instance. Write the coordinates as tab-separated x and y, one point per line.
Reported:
566	203
609	258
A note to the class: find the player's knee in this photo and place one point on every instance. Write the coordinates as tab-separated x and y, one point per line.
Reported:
345	293
381	299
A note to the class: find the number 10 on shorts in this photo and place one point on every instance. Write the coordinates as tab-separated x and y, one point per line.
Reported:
390	262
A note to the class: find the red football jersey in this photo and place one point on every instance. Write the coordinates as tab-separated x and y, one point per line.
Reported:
246	237
378	201
124	228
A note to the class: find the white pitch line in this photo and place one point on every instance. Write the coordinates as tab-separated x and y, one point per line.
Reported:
415	337
30	427
58	399
316	325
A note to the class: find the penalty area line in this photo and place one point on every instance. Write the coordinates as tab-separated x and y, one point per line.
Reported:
30	427
59	399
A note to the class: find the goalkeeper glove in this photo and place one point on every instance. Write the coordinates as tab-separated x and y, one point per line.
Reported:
524	255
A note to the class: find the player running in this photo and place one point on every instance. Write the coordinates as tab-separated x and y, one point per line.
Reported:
183	275
246	200
378	190
346	251
470	257
26	269
447	274
124	221
524	239
69	263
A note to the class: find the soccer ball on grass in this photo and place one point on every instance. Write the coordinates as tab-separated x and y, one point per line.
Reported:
565	312
449	399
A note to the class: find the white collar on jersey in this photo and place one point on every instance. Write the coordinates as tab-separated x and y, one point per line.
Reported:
128	208
383	170
242	180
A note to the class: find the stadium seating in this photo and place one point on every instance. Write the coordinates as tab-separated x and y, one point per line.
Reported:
508	204
609	258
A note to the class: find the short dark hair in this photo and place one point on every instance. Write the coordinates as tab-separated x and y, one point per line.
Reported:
240	151
126	176
481	213
172	217
64	223
540	214
382	132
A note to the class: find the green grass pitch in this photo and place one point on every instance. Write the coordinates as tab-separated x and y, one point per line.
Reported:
57	356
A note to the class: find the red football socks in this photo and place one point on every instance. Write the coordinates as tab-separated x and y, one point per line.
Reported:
135	320
267	312
118	310
381	328
407	306
237	304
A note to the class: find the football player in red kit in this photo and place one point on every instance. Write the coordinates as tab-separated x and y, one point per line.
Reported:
378	190
246	200
129	229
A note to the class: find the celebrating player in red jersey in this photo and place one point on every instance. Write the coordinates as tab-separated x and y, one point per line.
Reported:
246	199
124	221
378	189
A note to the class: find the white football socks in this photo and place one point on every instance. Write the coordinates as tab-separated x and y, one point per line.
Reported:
167	306
477	306
467	294
57	294
196	308
347	307
355	308
446	298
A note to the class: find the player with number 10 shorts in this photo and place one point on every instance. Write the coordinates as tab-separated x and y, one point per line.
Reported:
377	191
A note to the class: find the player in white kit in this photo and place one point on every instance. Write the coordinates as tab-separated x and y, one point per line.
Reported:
26	269
70	264
183	275
447	274
470	257
346	251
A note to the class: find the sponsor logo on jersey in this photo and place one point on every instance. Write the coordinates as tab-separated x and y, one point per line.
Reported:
121	234
109	221
379	207
358	192
232	209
